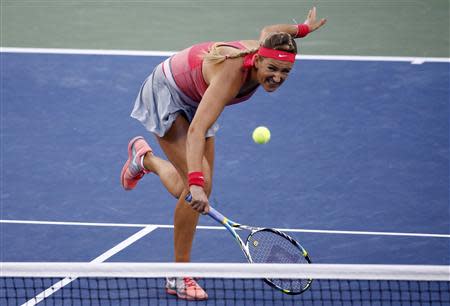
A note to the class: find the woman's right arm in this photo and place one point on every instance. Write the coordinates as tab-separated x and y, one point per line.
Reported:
224	85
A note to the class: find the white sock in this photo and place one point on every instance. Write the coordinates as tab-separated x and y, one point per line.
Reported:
142	161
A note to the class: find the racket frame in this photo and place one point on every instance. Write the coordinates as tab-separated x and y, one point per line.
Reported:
231	226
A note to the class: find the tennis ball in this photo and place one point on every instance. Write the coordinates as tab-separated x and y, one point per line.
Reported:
261	135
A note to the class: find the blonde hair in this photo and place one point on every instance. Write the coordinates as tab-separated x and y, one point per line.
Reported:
213	54
278	41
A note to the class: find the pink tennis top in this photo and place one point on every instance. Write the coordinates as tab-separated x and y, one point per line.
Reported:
186	68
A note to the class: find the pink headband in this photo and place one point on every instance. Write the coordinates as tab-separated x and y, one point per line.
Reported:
277	54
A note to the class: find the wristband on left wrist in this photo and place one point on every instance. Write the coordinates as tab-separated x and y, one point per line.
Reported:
302	30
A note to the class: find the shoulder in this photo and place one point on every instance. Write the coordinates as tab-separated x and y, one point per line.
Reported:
228	71
228	48
231	67
250	44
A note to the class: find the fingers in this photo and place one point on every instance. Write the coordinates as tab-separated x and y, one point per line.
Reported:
200	206
311	20
206	210
320	23
313	13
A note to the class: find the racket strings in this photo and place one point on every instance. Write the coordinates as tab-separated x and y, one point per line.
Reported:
266	246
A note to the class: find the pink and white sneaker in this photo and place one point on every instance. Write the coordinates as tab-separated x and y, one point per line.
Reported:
185	288
134	170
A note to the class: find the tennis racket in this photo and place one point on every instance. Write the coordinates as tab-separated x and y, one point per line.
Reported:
268	245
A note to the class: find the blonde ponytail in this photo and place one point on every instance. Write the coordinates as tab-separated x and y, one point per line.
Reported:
214	56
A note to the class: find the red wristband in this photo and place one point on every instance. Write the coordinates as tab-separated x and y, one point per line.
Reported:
196	178
302	30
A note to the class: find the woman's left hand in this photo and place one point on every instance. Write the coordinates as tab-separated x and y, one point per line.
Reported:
312	22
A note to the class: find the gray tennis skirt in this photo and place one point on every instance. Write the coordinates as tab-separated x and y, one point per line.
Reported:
160	102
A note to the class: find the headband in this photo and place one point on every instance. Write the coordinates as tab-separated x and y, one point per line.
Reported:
277	54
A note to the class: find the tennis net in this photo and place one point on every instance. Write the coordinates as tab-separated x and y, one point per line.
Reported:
225	283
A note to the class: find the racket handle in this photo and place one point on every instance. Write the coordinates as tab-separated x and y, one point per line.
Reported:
188	198
216	215
212	212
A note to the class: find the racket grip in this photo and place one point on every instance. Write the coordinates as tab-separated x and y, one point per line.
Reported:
212	212
216	215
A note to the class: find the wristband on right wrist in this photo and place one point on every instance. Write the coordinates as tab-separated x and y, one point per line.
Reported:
196	178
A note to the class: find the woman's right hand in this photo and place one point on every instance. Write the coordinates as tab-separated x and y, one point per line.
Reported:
199	201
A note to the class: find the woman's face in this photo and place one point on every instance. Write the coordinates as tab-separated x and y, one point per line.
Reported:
271	73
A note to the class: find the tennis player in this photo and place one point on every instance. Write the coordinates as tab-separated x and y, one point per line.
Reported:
180	102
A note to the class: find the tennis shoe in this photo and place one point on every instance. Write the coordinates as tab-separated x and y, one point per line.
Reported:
185	288
133	170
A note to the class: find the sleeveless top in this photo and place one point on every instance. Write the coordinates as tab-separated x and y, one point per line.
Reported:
186	68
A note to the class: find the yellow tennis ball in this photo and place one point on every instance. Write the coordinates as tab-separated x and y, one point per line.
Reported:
261	135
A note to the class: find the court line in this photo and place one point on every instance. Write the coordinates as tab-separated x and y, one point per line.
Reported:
109	253
292	230
412	59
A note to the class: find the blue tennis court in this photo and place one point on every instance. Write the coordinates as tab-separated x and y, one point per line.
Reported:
356	170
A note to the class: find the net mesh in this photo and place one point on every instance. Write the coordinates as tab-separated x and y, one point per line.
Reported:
126	284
